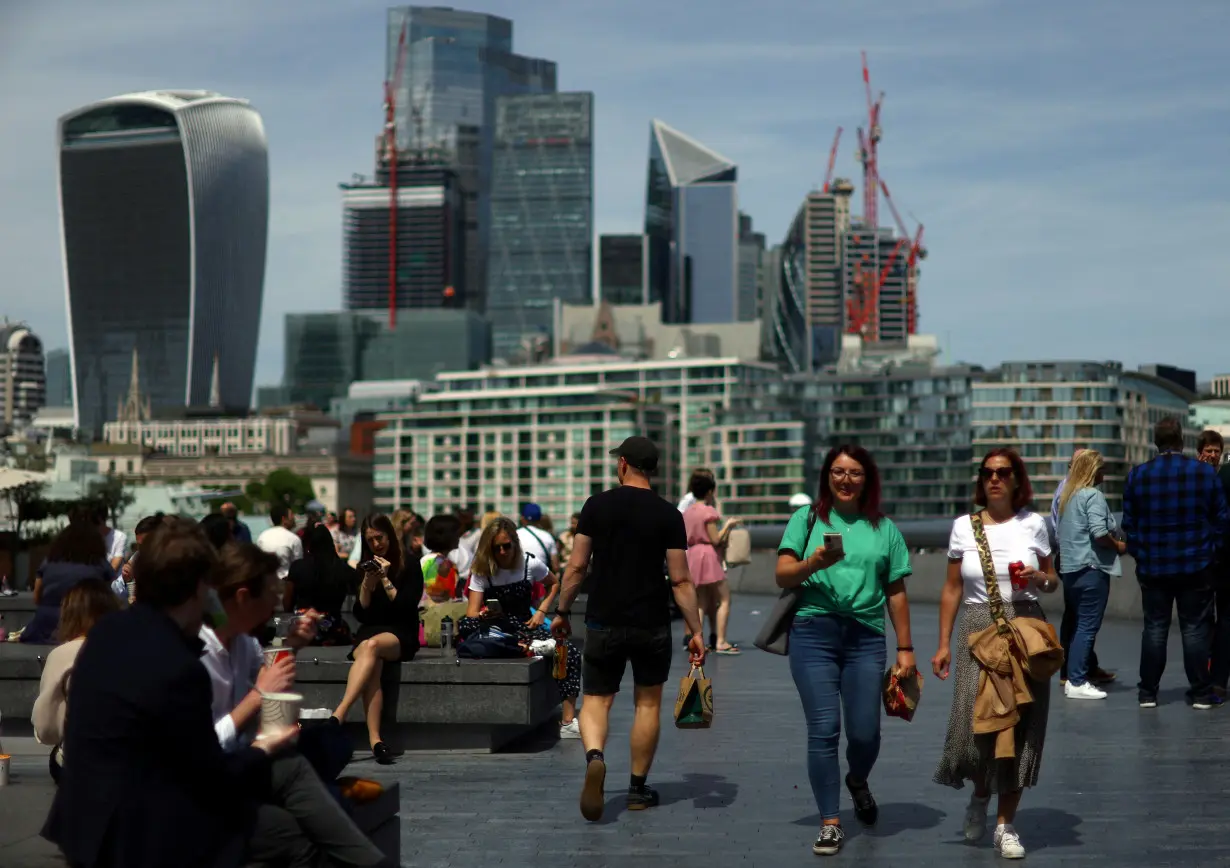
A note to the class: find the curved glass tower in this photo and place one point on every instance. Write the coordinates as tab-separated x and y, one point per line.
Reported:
164	210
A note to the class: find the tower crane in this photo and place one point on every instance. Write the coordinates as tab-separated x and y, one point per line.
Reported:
828	174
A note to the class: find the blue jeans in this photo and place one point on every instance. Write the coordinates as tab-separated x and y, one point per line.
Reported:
838	665
1192	596
1085	594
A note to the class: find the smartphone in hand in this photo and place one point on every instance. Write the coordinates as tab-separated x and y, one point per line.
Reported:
833	543
495	609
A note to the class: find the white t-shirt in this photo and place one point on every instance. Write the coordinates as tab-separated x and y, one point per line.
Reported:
1023	539
117	544
535	566
285	544
537	542
232	673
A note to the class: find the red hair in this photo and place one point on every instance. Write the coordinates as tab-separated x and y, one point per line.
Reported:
1024	493
868	499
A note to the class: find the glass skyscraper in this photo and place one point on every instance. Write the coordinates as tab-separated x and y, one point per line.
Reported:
542	215
692	220
164	201
457	64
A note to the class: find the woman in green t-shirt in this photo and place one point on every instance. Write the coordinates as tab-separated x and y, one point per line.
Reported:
837	649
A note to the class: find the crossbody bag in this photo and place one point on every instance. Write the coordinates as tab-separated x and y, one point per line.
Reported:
774	636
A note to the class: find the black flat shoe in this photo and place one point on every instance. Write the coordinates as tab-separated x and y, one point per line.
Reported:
865	807
383	755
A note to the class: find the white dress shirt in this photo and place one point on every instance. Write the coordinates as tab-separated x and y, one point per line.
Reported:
232	673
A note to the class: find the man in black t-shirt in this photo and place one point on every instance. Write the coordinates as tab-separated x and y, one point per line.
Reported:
629	531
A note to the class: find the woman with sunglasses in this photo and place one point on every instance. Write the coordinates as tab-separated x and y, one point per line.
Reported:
1015	535
387	608
502	573
850	563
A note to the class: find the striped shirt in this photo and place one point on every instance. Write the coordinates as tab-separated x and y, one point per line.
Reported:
1174	514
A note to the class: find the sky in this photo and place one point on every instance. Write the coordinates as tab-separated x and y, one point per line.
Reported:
1067	159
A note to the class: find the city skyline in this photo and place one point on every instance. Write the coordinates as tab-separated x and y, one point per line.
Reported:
1037	148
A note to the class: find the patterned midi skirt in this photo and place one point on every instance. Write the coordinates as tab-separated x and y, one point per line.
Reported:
969	757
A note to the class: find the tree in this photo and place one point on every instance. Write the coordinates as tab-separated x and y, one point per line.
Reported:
26	503
110	495
282	486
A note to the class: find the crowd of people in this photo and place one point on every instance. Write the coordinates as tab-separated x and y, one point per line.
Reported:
184	613
849	561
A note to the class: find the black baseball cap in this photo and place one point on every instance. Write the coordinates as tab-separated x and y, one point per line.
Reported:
639	452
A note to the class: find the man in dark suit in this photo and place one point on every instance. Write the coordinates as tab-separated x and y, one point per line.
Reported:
145	782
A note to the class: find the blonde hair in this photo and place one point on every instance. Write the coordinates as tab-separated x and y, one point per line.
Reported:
485	564
487	518
1084	474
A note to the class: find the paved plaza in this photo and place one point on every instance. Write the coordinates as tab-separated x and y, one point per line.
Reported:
1120	786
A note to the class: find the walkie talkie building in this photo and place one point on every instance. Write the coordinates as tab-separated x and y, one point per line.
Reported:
164	207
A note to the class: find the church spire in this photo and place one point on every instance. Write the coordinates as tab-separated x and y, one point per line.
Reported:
134	408
215	386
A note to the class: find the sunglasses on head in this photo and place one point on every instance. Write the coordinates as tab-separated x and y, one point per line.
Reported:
503	547
1001	473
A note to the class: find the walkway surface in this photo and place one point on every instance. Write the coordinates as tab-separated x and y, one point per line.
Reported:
1120	785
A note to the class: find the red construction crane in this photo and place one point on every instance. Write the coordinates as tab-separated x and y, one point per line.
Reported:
869	153
392	156
863	309
916	253
828	175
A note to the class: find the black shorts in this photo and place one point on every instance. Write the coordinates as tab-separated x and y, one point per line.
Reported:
609	649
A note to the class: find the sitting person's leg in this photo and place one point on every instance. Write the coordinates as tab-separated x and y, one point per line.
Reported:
363	682
277	839
298	790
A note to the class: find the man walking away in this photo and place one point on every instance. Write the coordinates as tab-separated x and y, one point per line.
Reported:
1067	627
1175	516
281	539
629	531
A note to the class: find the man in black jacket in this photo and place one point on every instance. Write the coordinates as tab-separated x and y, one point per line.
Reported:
145	782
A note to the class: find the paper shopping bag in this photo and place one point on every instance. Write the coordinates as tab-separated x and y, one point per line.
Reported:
902	695
694	707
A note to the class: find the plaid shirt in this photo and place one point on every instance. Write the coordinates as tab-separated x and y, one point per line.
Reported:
1174	514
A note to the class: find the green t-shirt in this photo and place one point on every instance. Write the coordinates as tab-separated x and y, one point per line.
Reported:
854	586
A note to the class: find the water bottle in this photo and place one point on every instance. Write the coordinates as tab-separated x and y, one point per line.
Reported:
446	632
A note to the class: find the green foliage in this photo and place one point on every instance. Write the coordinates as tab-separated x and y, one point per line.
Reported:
111	495
280	486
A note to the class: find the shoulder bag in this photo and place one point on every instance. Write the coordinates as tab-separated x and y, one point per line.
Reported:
989	576
774	636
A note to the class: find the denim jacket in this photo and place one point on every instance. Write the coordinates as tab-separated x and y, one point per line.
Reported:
1087	518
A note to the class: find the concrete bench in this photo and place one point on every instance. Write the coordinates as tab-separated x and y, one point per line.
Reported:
433	702
25	802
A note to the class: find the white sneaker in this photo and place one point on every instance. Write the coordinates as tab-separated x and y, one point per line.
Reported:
1007	843
976	818
571	729
1083	691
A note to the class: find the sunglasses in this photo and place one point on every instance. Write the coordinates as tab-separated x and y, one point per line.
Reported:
503	547
1003	474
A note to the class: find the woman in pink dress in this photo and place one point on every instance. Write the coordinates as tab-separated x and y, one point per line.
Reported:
706	535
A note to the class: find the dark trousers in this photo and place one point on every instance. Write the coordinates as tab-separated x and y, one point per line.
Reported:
301	825
1219	658
1192	596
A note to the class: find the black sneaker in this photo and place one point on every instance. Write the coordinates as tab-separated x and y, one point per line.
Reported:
1147	700
592	793
829	841
1209	700
865	807
640	798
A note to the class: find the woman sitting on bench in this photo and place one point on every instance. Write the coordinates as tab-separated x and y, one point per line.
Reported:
502	581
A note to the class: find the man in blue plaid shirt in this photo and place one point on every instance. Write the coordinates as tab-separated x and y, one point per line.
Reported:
1175	516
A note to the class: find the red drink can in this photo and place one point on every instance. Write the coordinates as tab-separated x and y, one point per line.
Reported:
1014	575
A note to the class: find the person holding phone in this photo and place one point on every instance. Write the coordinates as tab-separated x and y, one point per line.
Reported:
502	580
1018	544
387	608
851	563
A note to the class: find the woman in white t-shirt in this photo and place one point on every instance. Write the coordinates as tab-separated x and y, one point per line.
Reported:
1014	534
503	572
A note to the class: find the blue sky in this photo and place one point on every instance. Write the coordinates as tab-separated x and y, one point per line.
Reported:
1069	160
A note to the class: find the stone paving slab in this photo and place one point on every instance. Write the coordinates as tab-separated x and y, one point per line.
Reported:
1120	786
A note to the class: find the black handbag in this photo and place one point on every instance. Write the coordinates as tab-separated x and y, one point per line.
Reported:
774	636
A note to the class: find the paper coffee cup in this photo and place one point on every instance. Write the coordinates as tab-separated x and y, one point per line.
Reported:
273	655
279	710
132	590
4	769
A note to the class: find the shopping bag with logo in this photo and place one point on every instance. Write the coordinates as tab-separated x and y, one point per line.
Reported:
694	707
902	695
